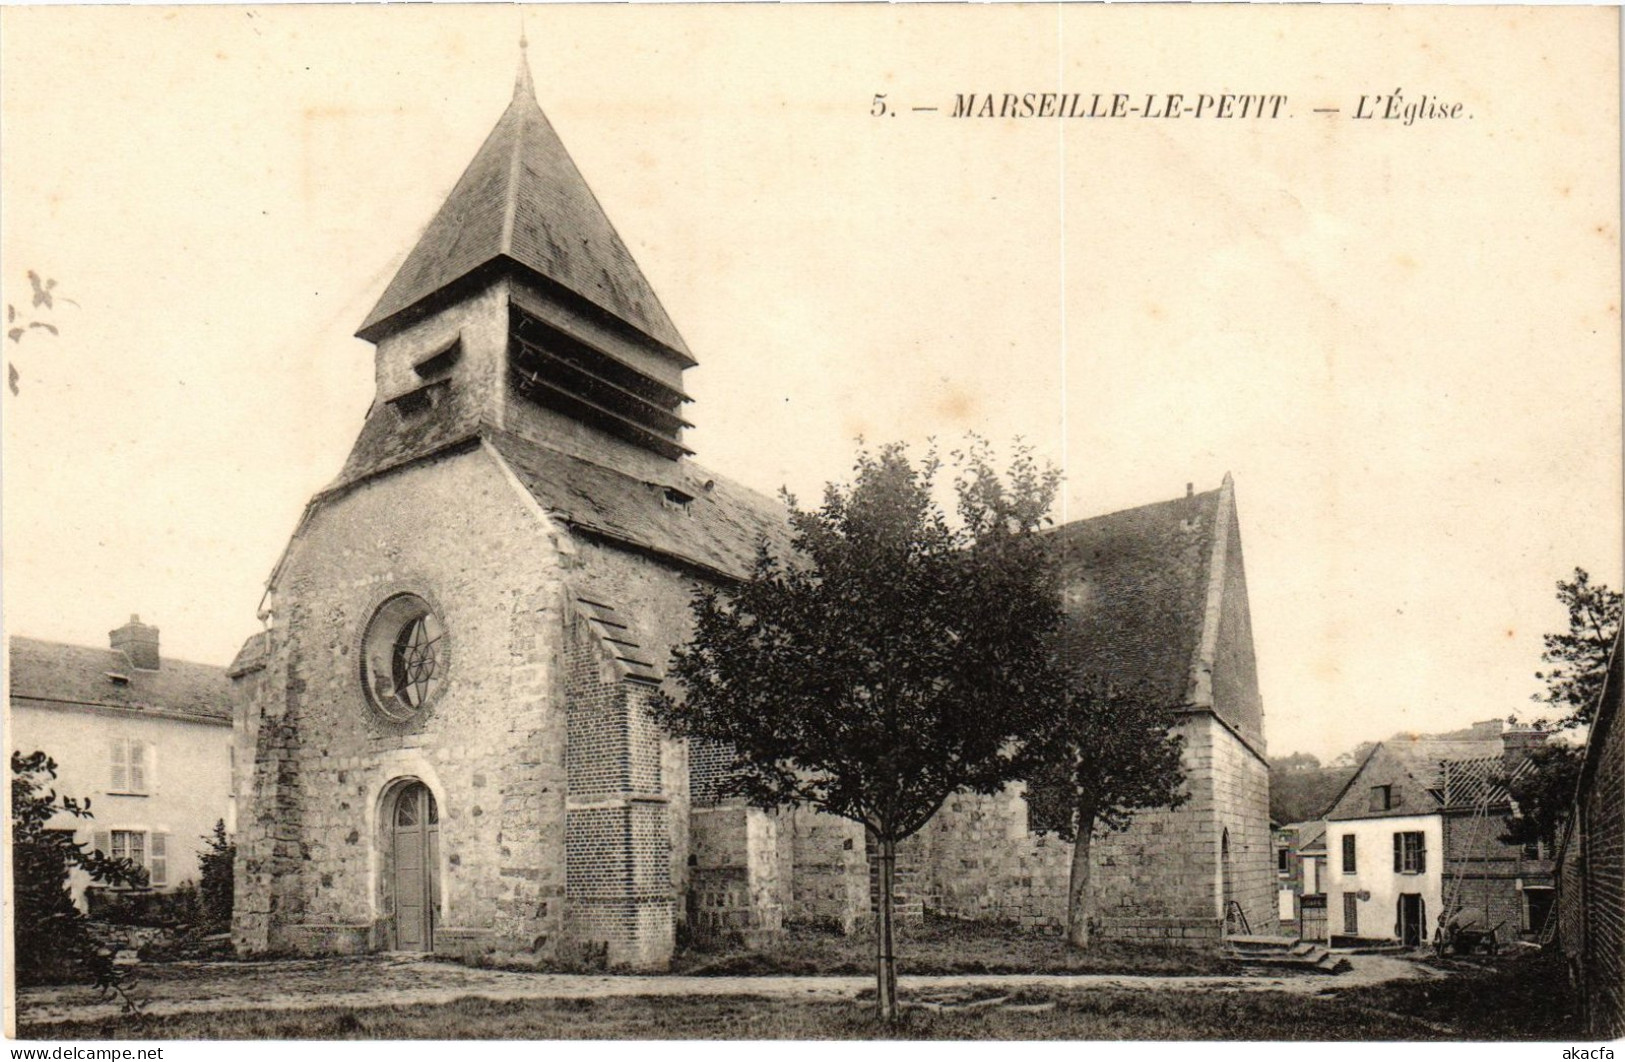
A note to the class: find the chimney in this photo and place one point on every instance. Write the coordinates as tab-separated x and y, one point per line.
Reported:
1518	742
137	641
1190	490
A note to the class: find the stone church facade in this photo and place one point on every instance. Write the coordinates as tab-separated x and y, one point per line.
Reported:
444	742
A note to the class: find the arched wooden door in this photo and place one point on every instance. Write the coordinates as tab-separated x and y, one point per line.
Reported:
416	859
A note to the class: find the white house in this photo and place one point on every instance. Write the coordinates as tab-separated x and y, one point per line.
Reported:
148	741
1413	841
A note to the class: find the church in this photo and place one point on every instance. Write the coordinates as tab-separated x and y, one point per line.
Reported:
443	737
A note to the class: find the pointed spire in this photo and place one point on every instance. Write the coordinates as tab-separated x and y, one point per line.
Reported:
523	205
523	88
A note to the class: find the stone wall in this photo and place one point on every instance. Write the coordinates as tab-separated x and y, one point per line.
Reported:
1604	818
1241	799
1159	880
490	747
735	889
829	881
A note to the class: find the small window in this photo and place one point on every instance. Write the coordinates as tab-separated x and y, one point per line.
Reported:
1382	797
145	849
1281	859
440	362
1351	914
1349	865
1410	853
131	766
418	399
131	845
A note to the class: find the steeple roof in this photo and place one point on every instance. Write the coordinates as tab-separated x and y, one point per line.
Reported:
523	205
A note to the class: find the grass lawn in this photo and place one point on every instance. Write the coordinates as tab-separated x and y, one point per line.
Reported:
1519	999
1526	997
944	946
1075	1016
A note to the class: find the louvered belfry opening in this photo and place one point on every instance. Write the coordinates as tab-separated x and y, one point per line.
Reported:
562	373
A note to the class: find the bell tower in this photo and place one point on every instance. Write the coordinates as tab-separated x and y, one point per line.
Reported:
521	308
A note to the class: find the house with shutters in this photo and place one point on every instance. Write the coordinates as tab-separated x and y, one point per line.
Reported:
1414	842
148	740
445	744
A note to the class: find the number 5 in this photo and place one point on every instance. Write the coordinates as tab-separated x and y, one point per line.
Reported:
879	108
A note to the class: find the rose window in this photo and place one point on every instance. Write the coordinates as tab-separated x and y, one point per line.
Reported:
403	659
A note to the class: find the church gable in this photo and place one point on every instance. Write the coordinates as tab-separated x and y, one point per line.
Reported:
1230	664
1135	590
1157	595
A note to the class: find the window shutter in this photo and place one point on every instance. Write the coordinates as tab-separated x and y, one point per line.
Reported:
101	842
138	766
1421	853
121	770
1399	852
158	869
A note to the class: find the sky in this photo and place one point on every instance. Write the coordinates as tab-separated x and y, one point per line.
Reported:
1401	339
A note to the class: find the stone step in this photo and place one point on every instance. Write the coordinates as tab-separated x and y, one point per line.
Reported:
1315	960
1259	942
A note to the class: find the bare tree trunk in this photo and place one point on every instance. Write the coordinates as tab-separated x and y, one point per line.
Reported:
1077	889
885	954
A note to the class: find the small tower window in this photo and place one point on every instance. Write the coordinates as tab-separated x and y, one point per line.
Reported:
440	362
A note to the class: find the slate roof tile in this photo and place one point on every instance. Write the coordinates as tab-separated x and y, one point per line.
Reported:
1136	592
718	529
523	202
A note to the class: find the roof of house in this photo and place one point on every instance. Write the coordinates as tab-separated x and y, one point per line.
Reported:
1424	755
1311	836
523	203
55	673
1467	783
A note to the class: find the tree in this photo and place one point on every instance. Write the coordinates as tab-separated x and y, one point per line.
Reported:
1542	794
216	870
1110	753
53	941
893	659
1297	761
1355	756
1581	653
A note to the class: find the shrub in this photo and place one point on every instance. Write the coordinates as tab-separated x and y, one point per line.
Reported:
53	941
217	865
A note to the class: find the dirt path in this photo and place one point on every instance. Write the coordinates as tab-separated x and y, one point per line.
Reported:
190	988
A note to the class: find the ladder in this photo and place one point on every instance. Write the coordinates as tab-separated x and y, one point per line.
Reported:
1481	818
